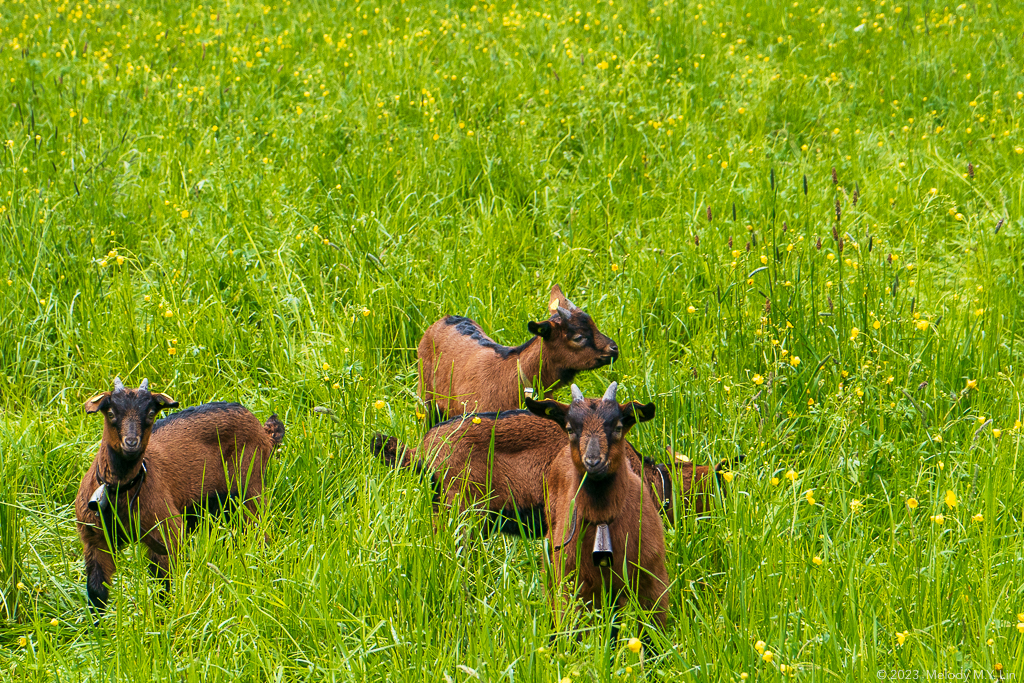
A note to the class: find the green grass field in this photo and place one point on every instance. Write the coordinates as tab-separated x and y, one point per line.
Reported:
803	225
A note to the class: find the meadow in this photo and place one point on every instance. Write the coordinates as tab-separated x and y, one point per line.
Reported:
803	225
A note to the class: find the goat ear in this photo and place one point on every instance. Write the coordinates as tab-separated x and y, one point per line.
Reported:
634	412
164	401
97	402
550	409
542	329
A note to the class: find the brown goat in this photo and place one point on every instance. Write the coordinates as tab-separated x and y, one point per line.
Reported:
497	461
147	475
605	535
696	483
463	370
505	478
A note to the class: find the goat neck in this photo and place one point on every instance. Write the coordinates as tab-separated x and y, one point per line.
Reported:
530	365
600	501
116	469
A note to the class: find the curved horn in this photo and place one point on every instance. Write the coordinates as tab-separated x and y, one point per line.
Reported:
145	385
610	394
564	314
118	386
577	395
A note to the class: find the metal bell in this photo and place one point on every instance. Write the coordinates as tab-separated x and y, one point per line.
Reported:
603	546
99	501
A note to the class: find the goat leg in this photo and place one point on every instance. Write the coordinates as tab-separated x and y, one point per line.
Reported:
99	569
165	538
159	567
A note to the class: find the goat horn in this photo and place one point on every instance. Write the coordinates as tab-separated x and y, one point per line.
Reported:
564	314
577	395
571	305
145	385
610	394
117	384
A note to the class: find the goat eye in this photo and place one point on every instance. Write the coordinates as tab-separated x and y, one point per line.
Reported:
579	339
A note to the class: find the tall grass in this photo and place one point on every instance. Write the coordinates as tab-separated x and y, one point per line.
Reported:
802	225
10	535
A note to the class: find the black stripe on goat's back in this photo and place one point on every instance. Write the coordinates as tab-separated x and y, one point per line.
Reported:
468	417
199	411
468	328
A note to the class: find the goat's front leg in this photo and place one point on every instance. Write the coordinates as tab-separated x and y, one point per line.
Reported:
160	568
99	569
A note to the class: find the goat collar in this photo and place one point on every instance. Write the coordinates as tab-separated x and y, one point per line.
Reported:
119	487
666	486
572	531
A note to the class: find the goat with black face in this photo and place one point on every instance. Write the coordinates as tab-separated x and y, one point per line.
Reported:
148	473
604	530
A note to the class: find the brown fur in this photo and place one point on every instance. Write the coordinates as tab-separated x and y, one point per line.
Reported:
463	370
199	456
590	479
507	479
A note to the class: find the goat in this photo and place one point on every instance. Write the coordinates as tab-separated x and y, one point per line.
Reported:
604	533
463	370
697	492
148	474
496	461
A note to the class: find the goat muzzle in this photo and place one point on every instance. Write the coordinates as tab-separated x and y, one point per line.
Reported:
595	464
99	501
603	551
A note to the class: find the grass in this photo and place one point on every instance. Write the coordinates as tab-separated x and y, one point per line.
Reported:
803	225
